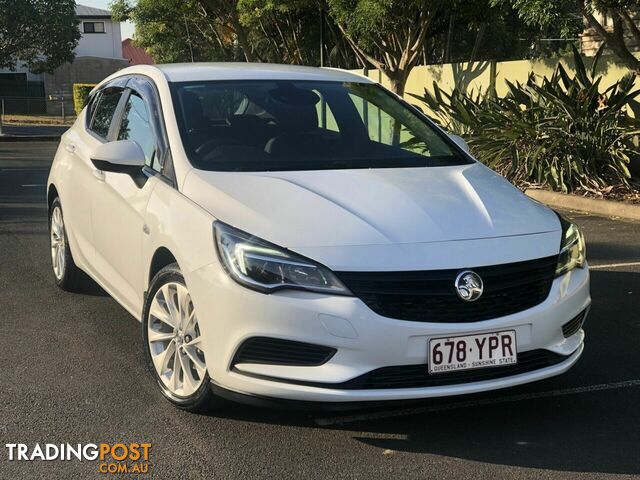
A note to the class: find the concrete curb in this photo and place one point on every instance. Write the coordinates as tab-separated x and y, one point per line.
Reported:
608	208
30	138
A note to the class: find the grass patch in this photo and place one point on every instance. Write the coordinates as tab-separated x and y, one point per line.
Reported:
37	120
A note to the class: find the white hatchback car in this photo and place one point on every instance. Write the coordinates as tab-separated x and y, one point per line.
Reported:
301	234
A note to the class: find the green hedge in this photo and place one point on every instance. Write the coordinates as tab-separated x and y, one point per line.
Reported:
562	131
80	95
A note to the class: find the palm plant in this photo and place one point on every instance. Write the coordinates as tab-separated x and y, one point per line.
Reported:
559	131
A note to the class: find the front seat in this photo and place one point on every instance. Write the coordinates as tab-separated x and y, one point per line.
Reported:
300	134
196	123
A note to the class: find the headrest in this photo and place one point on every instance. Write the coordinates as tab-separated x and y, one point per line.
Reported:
298	119
294	108
192	111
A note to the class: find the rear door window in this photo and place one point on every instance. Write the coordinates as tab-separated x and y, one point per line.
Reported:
104	111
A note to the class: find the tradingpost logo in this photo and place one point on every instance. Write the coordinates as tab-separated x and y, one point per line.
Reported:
112	458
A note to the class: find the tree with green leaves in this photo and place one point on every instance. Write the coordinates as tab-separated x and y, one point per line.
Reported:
279	31
481	30
183	30
283	31
392	35
41	33
388	34
395	35
568	13
564	130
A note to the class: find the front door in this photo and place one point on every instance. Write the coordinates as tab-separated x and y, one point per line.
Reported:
119	205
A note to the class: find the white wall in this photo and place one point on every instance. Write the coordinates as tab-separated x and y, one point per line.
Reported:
22	68
107	45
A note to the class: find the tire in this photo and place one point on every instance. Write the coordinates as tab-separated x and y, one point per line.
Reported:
67	275
172	355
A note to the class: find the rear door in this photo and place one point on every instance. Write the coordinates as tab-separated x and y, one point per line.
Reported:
119	203
79	144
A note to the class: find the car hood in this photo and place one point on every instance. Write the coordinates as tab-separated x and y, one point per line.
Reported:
370	206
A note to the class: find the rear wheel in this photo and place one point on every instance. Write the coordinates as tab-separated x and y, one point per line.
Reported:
172	338
67	275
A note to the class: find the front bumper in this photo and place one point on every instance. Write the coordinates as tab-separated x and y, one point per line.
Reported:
229	314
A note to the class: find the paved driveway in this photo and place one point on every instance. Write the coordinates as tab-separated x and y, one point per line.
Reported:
72	371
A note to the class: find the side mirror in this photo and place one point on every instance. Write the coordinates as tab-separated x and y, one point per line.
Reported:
122	156
459	141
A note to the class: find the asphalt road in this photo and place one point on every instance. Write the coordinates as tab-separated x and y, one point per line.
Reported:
71	370
34	130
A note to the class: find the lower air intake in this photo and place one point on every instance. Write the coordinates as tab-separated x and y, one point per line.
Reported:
574	325
275	351
416	376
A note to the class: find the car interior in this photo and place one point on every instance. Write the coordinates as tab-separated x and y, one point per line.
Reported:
274	125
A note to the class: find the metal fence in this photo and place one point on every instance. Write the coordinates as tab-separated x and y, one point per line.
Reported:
52	107
23	106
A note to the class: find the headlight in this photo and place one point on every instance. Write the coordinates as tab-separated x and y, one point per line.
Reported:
572	248
262	266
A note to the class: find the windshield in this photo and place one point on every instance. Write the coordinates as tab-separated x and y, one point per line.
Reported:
303	125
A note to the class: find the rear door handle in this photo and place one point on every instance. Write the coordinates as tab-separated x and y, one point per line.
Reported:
99	174
70	147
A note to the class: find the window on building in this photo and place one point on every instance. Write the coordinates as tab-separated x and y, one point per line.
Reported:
93	27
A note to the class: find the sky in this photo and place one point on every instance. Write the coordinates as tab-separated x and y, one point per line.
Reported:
127	27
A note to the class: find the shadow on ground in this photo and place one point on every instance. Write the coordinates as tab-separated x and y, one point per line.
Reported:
585	432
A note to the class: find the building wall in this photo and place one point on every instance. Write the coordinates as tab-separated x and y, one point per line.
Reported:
98	55
108	44
21	68
590	41
21	92
479	76
59	84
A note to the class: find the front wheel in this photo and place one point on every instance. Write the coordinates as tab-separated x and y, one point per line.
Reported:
172	340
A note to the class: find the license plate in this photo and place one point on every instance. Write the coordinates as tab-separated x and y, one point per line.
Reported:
472	351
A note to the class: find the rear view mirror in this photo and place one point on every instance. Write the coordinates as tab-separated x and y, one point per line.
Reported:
122	156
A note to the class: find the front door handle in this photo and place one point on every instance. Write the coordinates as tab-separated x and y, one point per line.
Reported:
99	174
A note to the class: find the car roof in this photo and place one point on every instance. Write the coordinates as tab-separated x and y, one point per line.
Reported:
183	72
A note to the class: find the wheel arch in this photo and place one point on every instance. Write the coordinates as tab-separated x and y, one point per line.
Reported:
160	259
52	193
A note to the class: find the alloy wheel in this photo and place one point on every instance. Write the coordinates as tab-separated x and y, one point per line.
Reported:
58	243
174	340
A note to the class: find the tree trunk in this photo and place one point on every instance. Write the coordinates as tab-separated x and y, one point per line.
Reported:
631	24
241	35
615	41
397	81
477	43
447	47
244	45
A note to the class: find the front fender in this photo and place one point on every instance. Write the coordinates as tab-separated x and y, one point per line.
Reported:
179	225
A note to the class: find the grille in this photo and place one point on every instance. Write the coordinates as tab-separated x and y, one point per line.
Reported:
275	351
416	376
574	325
430	295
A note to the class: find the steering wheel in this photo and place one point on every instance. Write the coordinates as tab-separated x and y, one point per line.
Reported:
209	146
